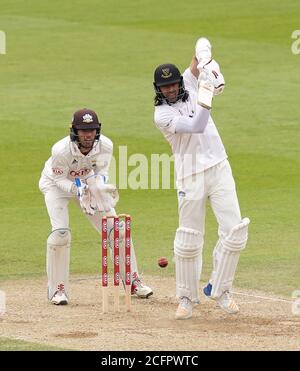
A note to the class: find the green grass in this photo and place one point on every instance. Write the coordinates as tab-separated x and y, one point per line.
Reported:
63	55
20	345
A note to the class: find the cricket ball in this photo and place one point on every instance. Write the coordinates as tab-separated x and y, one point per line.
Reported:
163	262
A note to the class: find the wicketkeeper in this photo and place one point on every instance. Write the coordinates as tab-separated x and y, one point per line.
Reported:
183	114
78	170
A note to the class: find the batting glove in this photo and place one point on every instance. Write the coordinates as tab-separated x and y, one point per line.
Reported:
203	52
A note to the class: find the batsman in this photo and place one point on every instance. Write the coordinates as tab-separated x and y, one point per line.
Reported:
78	170
183	113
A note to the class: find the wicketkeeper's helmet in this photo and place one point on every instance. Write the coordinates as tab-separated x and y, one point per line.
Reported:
84	119
167	74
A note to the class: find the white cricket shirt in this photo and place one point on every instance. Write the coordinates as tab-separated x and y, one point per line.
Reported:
67	163
193	153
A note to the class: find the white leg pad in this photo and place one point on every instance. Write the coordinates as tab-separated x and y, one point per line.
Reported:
188	245
228	256
58	260
216	259
133	262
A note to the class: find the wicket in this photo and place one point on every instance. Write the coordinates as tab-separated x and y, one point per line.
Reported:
116	260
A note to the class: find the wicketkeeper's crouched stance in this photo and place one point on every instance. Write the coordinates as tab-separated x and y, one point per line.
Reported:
78	169
183	114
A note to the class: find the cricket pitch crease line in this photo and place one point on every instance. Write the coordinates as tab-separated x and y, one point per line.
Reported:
262	297
233	292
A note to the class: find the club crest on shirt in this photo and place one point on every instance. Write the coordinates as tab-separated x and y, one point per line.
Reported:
181	194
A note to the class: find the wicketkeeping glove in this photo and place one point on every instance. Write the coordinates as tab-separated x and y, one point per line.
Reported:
84	197
104	196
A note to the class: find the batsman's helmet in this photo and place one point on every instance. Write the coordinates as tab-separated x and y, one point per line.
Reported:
167	74
84	119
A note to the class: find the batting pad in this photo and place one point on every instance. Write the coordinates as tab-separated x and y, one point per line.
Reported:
188	245
58	260
229	253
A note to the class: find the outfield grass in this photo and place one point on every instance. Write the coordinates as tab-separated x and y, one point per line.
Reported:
20	345
63	55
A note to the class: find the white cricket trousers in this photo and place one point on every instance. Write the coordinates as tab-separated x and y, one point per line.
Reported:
215	185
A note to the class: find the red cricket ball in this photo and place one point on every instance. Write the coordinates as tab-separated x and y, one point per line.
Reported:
163	262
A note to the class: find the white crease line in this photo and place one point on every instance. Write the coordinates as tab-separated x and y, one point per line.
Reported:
263	297
250	302
234	292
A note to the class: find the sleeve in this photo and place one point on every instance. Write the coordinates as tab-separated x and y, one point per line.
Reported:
166	120
103	163
190	81
196	124
173	123
60	170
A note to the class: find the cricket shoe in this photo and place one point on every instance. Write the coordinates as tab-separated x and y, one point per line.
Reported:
185	308
140	290
225	301
60	298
